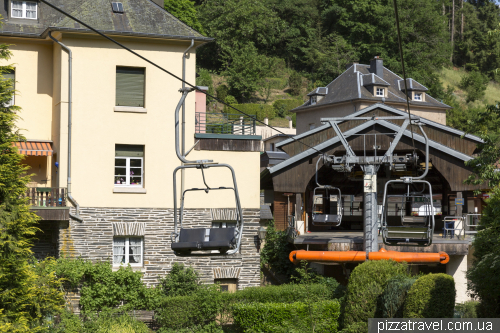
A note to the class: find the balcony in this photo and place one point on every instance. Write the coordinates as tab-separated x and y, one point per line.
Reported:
226	132
49	202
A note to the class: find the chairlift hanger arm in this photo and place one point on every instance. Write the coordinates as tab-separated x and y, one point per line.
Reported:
342	139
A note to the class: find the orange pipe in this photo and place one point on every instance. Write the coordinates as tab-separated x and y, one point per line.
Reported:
359	256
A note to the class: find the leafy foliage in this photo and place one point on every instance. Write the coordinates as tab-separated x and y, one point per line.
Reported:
283	106
185	11
484	275
474	84
366	283
205	79
103	289
30	293
222	92
394	295
466	310
295	83
431	296
283	317
260	111
180	281
276	250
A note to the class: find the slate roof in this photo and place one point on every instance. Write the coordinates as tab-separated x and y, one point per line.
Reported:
319	91
354	83
411	85
265	212
140	18
311	152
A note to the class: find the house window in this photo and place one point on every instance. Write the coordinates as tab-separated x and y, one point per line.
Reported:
380	92
24	9
227	285
417	97
129	166
127	250
314	100
130	86
10	76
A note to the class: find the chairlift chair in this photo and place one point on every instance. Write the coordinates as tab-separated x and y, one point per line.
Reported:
416	226
203	241
331	201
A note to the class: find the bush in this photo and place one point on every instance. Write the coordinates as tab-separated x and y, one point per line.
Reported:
198	309
475	84
283	106
180	281
222	92
276	251
103	289
295	83
283	317
394	295
366	284
431	296
466	310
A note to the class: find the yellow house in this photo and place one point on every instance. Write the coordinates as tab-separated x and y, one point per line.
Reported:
122	152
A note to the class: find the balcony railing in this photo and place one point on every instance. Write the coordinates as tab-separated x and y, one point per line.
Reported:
47	196
223	123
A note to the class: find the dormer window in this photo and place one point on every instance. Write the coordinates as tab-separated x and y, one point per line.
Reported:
24	9
314	99
380	92
417	97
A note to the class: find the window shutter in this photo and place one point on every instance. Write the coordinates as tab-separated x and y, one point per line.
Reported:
129	86
129	151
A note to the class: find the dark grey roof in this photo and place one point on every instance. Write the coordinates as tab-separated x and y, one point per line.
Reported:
140	18
277	136
268	158
350	86
373	79
319	91
265	212
411	85
387	108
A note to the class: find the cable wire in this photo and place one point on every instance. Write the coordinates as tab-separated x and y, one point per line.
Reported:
170	73
400	44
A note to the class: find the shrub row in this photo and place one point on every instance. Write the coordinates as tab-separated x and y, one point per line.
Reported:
281	317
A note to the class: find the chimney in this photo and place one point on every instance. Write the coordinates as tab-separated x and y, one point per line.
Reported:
377	66
159	3
350	64
266	121
290	123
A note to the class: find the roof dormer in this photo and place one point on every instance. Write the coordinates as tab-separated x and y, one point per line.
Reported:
317	95
377	86
414	90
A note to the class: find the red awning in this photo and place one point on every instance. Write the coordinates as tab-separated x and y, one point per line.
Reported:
34	148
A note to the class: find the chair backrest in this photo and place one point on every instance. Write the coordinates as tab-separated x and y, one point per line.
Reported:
221	234
192	235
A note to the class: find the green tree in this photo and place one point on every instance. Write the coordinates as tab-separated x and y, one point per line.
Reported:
484	275
185	11
245	71
28	290
180	281
474	84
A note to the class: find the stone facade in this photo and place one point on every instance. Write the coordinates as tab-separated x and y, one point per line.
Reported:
46	239
93	239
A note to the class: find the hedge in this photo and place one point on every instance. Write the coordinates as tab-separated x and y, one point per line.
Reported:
282	317
431	296
366	284
187	311
261	111
287	293
394	295
282	106
359	327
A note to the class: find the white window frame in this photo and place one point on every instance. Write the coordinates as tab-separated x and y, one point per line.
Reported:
127	172
380	92
24	10
127	251
419	98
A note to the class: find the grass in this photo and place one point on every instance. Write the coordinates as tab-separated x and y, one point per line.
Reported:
452	76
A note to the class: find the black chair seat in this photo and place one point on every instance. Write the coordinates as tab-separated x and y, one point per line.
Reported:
220	239
190	239
217	245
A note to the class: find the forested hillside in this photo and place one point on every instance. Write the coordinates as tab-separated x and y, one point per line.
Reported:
259	44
